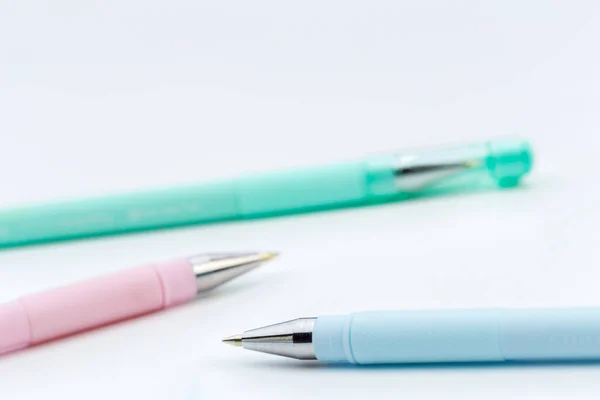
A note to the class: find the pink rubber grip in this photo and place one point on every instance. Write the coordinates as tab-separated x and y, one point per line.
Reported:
90	304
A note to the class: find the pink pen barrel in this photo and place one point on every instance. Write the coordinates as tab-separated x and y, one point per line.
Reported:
63	311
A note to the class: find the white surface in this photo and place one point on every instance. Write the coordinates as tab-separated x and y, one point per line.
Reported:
130	94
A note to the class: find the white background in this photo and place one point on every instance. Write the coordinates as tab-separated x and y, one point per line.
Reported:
98	98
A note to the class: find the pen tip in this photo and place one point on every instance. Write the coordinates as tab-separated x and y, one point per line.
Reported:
472	164
268	256
235	340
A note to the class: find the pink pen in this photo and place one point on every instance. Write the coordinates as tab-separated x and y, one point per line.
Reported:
49	315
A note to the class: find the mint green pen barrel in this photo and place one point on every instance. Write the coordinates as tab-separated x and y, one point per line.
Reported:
375	180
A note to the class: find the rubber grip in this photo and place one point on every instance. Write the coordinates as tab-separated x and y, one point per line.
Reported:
63	311
434	336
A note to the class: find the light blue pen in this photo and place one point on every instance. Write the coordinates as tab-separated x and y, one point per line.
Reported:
440	336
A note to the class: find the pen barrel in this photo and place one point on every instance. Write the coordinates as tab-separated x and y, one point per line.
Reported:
63	311
119	213
392	177
394	337
259	195
315	188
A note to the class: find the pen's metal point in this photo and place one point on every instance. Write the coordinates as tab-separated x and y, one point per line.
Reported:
235	340
219	268
267	256
472	164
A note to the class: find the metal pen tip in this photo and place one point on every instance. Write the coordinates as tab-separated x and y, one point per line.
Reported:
292	339
472	164
215	269
235	340
267	256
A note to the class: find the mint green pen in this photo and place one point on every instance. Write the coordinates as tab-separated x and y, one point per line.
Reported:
379	179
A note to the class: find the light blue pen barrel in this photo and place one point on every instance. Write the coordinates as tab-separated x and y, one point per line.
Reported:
409	174
395	337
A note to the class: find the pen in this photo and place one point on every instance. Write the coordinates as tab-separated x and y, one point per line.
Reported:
379	179
433	336
41	317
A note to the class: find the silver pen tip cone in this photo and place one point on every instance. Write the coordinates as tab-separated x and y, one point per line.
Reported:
267	256
214	271
235	340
